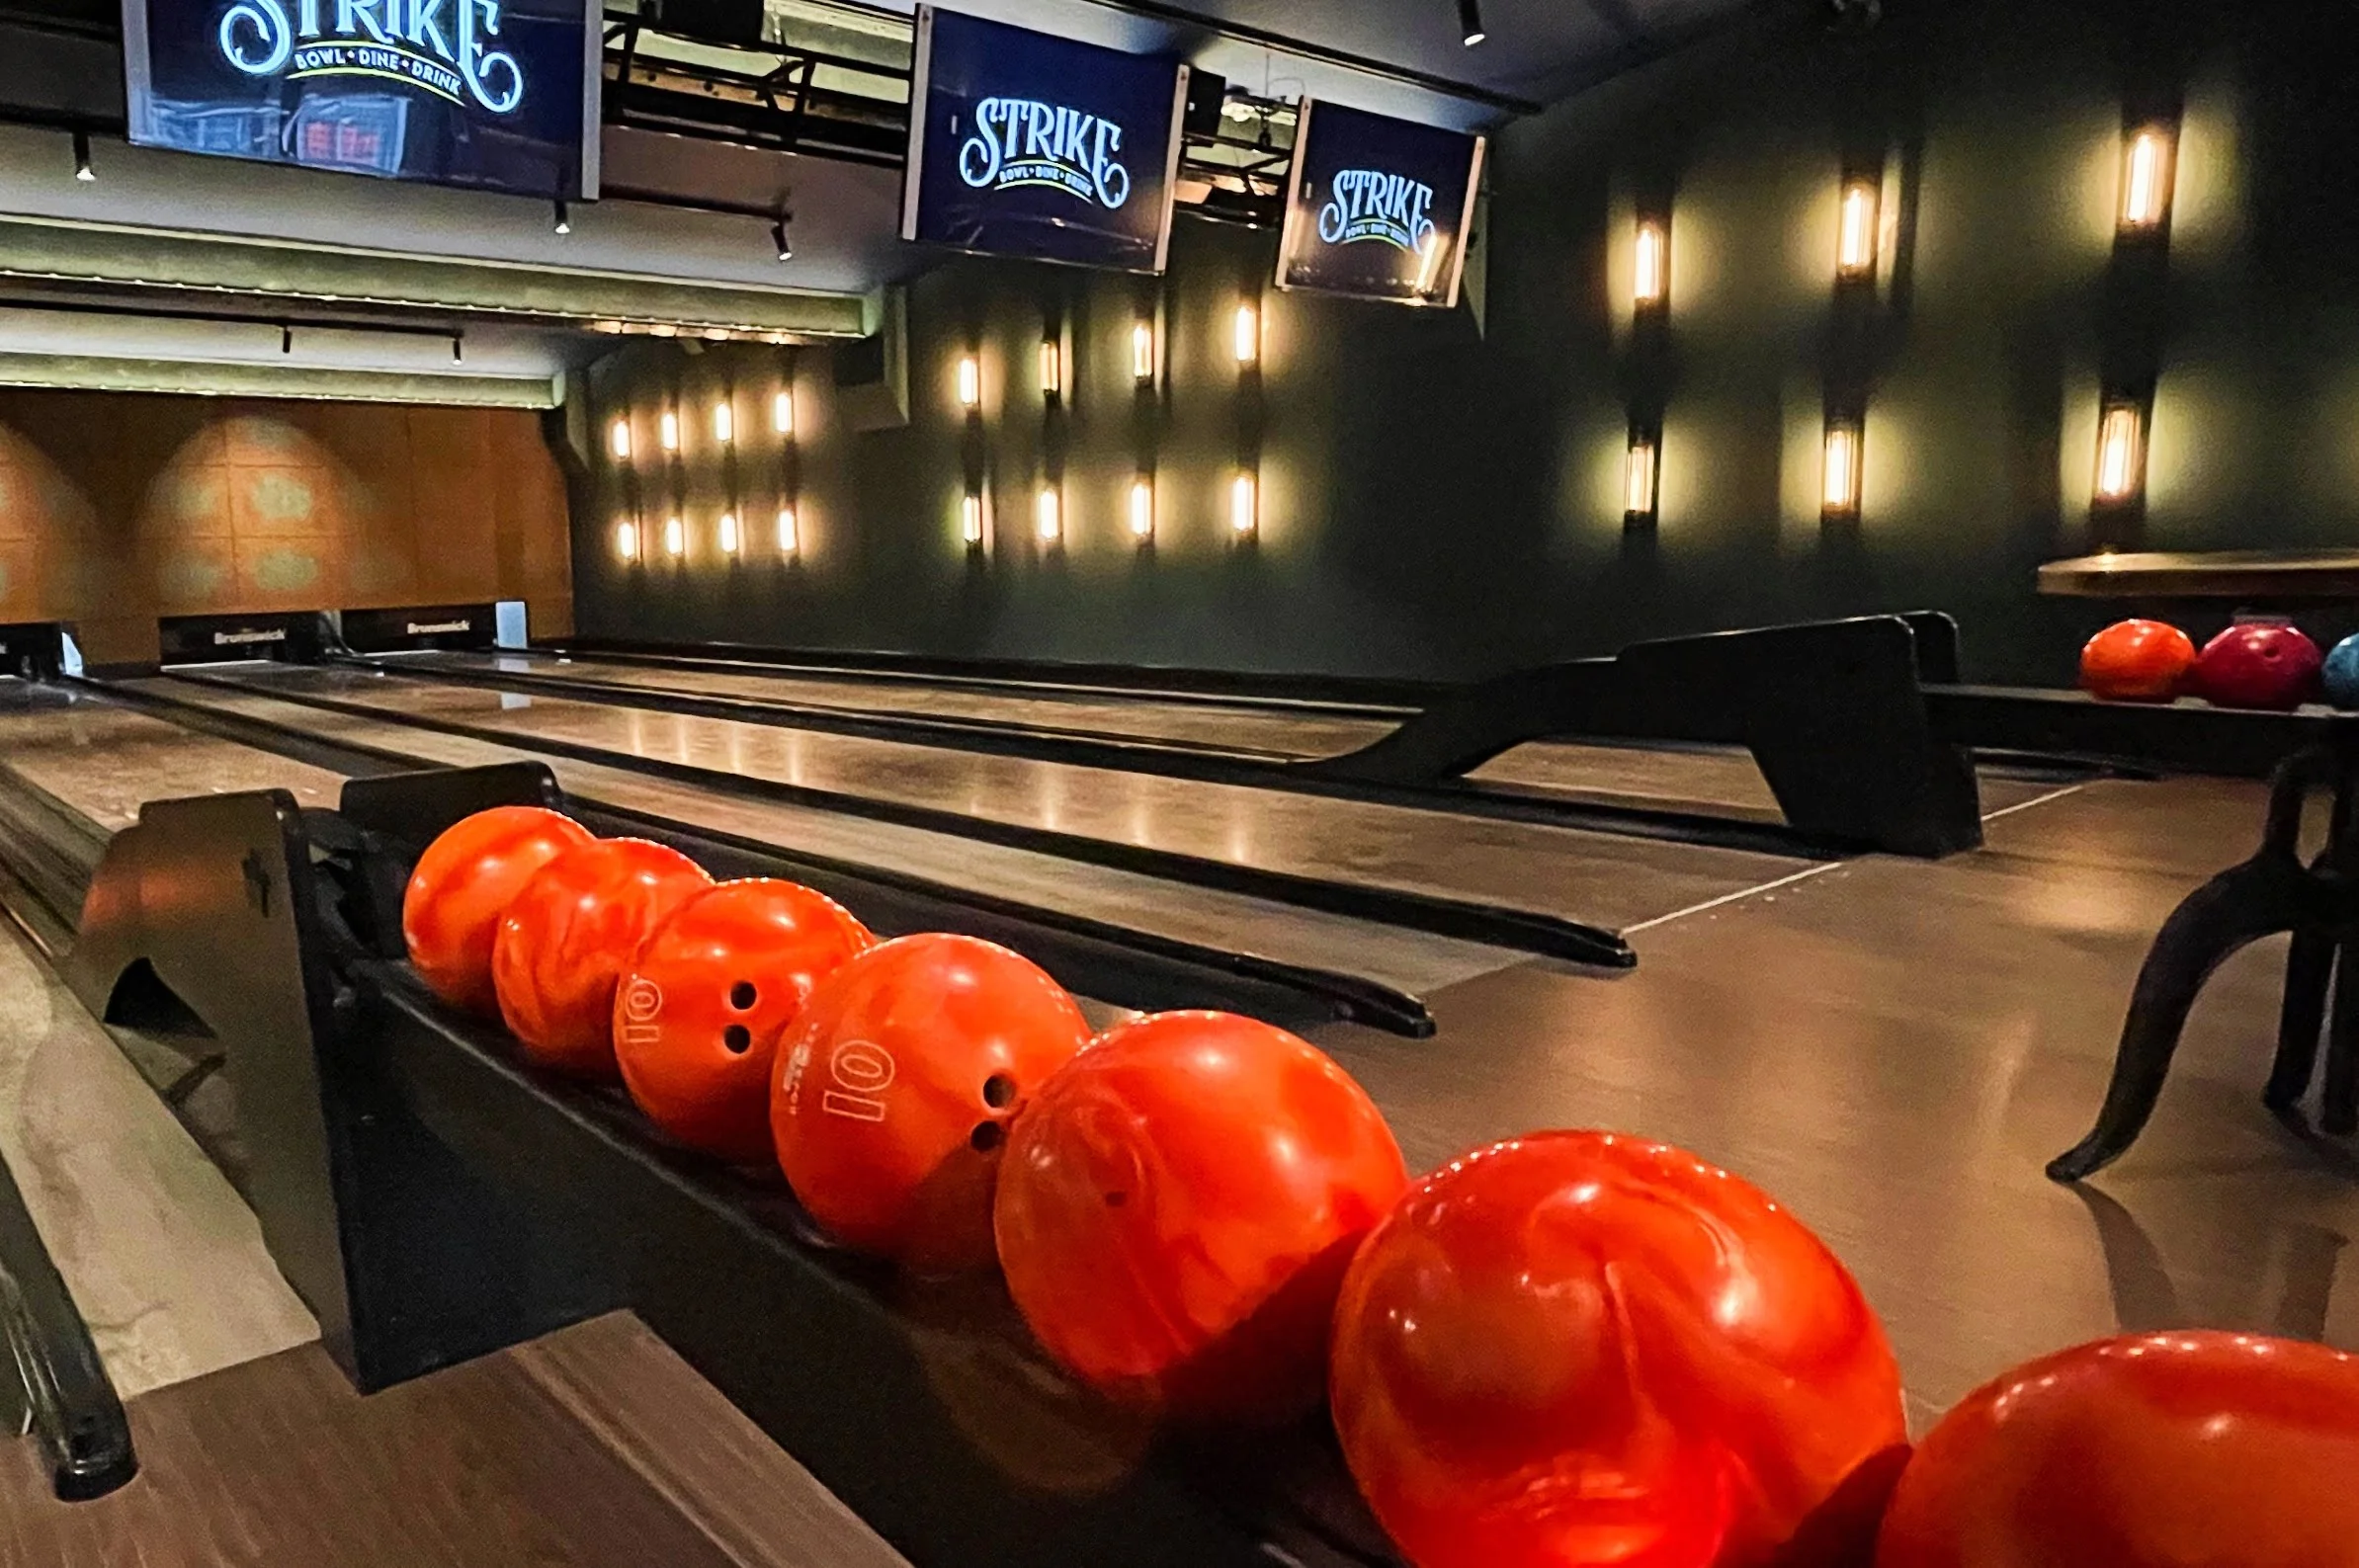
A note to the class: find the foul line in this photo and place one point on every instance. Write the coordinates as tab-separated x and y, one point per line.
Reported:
1808	873
1803	876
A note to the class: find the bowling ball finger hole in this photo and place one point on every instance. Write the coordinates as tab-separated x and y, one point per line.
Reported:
743	995
1116	1200
737	1039
987	1136
999	1090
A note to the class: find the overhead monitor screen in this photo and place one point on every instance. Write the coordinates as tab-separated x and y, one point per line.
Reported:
1378	208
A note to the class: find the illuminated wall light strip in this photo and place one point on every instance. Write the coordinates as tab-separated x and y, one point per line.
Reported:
1651	269
1642	475
2149	168
626	542
790	531
675	538
1143	351
1840	484
2121	454
1246	336
782	413
1048	515
1051	368
724	423
1143	509
1855	251
730	539
971	382
620	439
970	521
668	431
1244	505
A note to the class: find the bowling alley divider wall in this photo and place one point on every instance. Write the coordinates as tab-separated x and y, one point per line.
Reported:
1435	499
118	509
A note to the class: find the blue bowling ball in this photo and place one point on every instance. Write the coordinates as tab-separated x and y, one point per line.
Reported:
2342	673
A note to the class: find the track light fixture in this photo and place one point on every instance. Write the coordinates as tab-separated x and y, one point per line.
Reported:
786	241
563	220
82	169
1470	22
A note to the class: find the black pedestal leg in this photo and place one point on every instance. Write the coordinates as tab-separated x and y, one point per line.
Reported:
2338	1110
2309	971
2265	894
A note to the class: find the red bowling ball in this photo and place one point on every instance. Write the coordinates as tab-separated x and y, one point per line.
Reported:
2158	1451
1577	1350
2265	664
1178	1208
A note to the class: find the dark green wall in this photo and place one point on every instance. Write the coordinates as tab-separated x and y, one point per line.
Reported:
1443	504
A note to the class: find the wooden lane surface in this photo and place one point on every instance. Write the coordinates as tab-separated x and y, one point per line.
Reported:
594	1447
107	761
1710	780
1897	1050
1410	960
1605	880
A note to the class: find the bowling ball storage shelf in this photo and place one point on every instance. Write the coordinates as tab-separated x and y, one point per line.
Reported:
433	1199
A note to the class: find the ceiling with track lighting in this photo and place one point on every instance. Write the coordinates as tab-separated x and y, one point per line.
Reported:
1533	50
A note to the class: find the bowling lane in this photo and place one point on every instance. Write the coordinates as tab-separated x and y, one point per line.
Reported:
1600	880
1409	961
1705	780
104	762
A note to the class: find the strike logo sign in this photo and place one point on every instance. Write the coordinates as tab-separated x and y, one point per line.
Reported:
495	94
1022	144
1378	208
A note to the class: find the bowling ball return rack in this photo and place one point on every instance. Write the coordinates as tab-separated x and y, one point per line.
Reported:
433	1198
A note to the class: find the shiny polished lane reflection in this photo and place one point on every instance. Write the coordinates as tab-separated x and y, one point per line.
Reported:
1407	960
1710	781
1597	878
1896	1050
104	762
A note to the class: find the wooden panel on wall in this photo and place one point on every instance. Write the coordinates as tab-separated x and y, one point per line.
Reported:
118	508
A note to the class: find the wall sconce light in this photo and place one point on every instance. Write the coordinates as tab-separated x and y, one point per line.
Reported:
1143	509
970	521
1650	273
626	540
1244	505
620	439
790	531
1839	491
1642	475
782	413
1855	251
2121	454
1052	367
729	533
675	538
668	431
724	423
1248	335
1048	515
971	382
2148	167
1143	351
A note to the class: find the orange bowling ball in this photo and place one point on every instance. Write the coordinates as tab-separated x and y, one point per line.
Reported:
893	1093
451	911
2137	661
2156	1450
1577	1350
1179	1206
698	1015
569	935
